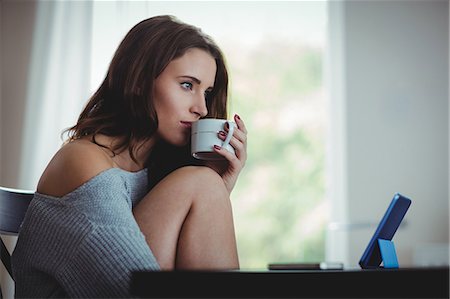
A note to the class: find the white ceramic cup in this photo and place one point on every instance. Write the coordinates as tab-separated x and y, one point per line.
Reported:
205	134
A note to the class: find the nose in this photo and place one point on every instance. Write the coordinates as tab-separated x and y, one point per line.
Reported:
199	106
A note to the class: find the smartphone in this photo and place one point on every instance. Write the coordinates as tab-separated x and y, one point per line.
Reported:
306	266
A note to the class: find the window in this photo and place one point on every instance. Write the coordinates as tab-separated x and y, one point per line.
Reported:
275	53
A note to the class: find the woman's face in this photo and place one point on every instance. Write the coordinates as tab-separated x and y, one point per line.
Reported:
180	94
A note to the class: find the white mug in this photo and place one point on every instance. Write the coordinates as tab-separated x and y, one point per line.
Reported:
205	134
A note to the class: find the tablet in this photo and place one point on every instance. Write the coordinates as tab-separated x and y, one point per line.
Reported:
386	229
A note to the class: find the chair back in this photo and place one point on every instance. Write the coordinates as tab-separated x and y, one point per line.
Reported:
13	206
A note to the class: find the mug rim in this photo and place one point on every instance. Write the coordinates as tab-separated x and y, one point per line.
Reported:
214	120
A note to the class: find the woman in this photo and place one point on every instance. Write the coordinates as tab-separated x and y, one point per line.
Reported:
122	194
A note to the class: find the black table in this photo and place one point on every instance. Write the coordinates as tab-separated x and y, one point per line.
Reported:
349	283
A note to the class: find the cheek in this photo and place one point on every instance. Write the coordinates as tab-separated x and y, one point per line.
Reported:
166	102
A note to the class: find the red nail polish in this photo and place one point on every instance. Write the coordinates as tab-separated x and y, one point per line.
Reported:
217	147
237	116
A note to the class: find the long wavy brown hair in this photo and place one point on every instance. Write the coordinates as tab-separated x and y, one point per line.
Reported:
123	104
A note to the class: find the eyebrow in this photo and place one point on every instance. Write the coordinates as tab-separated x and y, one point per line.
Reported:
196	80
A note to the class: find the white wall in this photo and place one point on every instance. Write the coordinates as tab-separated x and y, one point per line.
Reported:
17	21
389	107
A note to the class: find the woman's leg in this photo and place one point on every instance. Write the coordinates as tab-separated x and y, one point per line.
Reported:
187	221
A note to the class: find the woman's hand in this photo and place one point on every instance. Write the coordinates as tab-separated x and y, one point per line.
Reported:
232	166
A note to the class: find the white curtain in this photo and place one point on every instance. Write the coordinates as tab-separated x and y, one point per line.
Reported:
57	88
73	43
58	84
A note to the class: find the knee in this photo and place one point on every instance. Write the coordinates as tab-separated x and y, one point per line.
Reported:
202	177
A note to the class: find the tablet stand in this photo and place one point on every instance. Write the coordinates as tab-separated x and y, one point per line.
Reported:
388	255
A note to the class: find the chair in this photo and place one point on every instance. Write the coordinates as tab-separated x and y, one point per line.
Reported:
13	206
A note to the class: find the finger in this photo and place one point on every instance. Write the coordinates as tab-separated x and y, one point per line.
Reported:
240	123
239	147
232	158
236	143
238	133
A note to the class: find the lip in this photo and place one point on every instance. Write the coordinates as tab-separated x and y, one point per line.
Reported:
186	124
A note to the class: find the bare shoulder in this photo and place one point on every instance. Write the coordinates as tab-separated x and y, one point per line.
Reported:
74	164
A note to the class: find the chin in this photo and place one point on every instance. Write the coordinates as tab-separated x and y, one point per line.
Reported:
178	142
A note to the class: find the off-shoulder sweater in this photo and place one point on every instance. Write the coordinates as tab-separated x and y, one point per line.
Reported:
84	244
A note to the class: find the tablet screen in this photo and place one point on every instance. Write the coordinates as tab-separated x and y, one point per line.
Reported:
386	229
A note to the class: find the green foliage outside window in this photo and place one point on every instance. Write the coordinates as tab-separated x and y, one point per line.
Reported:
279	201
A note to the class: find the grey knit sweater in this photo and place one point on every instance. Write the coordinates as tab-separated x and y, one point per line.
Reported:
86	243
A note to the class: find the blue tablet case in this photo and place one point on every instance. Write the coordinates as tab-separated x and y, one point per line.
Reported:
385	231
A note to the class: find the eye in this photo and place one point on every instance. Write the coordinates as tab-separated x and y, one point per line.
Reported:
187	85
